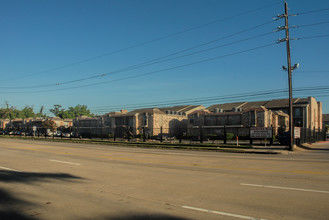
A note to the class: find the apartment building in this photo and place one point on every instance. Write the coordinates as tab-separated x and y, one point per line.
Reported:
151	121
236	120
307	112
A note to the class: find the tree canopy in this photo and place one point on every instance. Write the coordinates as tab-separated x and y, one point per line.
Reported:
12	112
71	112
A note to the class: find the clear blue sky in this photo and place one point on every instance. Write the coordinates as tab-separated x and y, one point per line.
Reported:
68	52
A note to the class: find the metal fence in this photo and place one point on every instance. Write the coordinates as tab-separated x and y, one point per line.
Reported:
225	135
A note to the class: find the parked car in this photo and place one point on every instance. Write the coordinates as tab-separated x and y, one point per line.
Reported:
76	135
165	137
58	134
67	135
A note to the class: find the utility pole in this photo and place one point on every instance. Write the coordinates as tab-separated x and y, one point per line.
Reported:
290	68
291	125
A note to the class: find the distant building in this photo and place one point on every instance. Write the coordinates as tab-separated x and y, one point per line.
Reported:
237	121
88	126
152	121
307	112
3	123
325	120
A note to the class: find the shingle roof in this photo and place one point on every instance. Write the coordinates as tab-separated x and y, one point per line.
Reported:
181	108
269	104
144	110
226	106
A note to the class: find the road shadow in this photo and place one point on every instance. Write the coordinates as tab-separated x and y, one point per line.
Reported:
13	176
8	201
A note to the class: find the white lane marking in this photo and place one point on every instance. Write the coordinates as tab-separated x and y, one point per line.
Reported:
220	213
183	154
287	188
59	161
6	168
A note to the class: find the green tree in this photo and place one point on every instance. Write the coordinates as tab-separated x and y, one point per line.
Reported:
72	112
27	112
57	110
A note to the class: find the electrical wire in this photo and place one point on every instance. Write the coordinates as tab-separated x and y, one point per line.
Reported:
147	63
271	93
307	25
147	42
314	71
153	72
319	91
314	11
161	59
311	37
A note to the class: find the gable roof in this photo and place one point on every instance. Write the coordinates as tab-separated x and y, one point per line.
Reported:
226	106
181	108
269	104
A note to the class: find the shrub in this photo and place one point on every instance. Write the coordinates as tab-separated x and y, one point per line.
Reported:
229	136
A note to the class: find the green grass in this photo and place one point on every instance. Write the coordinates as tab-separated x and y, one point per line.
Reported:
196	146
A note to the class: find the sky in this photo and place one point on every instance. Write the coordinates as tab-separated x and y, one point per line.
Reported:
128	54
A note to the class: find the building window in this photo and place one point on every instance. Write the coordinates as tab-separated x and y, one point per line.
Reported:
298	112
145	119
253	118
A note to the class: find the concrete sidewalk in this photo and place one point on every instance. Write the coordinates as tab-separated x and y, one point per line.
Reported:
272	149
323	145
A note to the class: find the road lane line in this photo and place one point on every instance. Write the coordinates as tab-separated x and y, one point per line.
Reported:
287	188
176	163
6	168
181	154
220	213
59	161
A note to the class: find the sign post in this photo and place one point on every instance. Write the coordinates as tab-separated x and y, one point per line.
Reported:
34	128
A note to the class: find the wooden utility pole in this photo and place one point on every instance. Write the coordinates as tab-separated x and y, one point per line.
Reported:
289	69
291	123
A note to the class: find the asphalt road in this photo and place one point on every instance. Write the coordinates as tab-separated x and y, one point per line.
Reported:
44	180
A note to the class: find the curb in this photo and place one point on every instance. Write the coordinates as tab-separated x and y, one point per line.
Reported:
165	146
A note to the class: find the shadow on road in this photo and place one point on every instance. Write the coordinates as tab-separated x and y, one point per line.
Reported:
8	201
12	176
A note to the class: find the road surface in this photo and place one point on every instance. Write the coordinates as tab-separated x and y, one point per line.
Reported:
45	180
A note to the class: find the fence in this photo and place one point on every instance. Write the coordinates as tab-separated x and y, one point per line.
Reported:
224	135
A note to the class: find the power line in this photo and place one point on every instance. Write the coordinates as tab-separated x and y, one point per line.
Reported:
310	37
280	92
148	63
313	71
148	42
319	23
314	11
161	59
153	72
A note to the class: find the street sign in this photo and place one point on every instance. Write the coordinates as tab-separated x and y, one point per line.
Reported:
297	132
34	128
260	132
